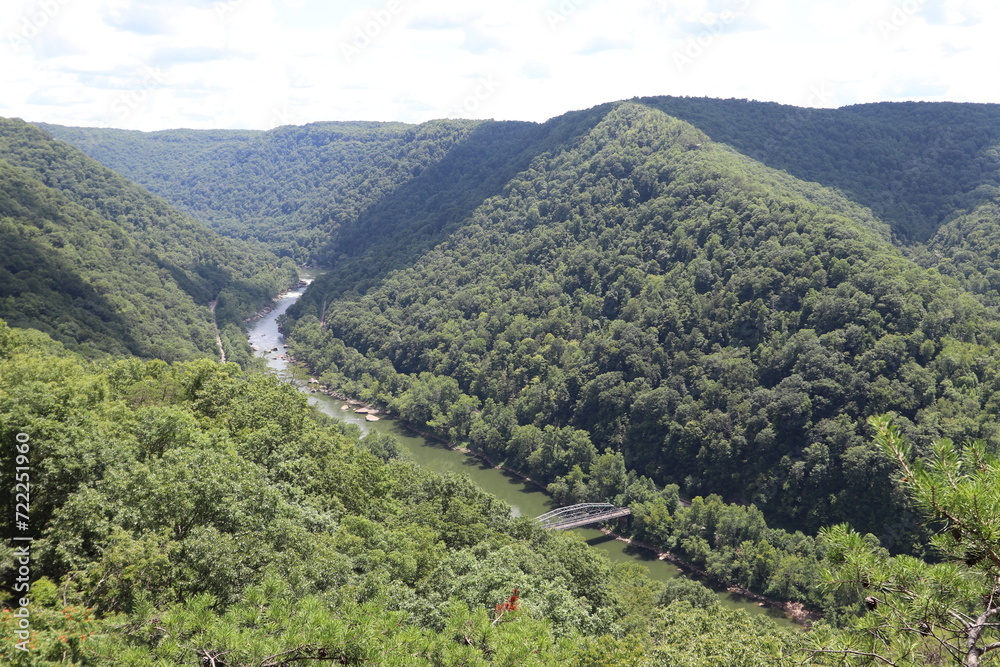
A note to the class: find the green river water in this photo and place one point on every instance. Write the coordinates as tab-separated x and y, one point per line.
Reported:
525	498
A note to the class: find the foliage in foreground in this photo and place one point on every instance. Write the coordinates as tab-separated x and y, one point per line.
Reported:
194	512
920	614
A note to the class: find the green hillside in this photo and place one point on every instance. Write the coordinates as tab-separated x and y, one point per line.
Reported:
101	264
722	323
362	198
648	300
914	164
649	291
291	188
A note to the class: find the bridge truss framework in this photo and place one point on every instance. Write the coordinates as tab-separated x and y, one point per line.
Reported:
584	514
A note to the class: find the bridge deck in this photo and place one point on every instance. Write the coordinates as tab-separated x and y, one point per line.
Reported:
577	523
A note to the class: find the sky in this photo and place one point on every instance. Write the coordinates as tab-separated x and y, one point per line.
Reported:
258	64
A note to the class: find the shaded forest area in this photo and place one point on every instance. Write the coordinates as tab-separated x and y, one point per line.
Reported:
102	265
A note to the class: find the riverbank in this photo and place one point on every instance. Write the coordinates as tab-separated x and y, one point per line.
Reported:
795	612
301	285
526	498
412	427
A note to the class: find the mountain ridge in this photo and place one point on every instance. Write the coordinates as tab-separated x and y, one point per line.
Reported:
760	279
104	265
913	147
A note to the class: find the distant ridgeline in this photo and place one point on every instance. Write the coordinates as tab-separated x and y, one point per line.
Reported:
915	164
103	266
712	293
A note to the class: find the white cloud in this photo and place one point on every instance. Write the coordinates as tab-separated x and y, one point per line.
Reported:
151	64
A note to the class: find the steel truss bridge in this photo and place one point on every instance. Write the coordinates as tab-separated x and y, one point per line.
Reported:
584	514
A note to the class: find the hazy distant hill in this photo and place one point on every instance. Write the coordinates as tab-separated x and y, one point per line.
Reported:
98	262
913	163
364	197
292	188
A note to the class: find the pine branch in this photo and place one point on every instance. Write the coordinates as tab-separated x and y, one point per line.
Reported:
272	661
847	651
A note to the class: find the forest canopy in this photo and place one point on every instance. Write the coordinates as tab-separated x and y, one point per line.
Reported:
189	511
721	326
643	302
722	302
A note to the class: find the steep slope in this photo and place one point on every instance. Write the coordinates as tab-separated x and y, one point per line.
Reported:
376	193
721	324
968	248
396	230
184	167
292	188
647	290
915	164
99	263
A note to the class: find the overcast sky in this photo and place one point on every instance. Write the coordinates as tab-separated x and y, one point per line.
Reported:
154	64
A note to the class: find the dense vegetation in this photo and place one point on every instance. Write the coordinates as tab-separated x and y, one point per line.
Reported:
366	198
914	163
195	512
192	511
917	614
305	182
627	307
651	293
102	265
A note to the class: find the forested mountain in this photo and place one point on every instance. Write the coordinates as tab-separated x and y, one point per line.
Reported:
194	512
618	279
913	163
101	264
374	194
292	188
643	300
648	291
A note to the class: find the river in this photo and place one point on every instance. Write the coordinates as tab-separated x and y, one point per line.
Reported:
524	498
